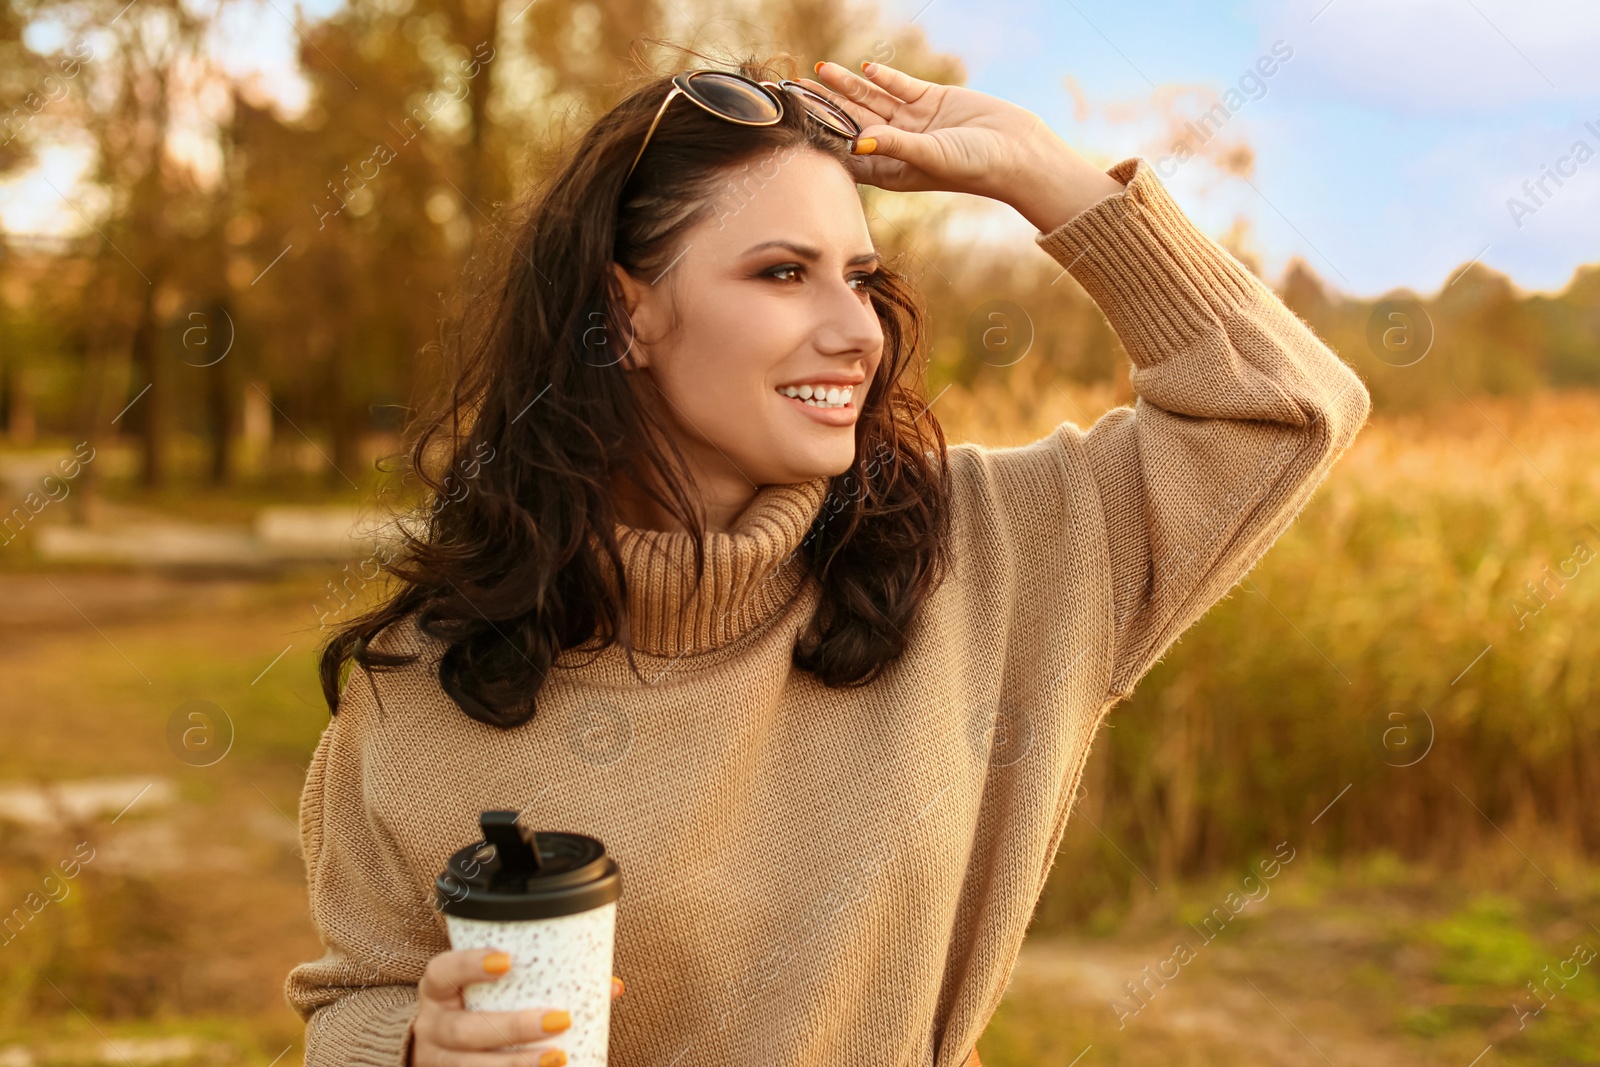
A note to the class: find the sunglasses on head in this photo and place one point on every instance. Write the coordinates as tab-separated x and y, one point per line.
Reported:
748	102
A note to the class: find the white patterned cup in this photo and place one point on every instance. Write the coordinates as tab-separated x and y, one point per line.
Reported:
555	916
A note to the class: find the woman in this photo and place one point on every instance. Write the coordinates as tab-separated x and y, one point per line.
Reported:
823	686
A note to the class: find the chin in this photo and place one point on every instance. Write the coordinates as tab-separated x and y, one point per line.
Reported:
805	465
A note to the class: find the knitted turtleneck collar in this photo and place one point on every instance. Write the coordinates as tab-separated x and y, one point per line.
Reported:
751	572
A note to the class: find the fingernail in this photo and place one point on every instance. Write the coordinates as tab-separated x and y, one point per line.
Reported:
552	1057
555	1021
496	963
864	146
617	984
818	68
867	66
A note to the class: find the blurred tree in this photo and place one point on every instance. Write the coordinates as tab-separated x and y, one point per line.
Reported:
324	247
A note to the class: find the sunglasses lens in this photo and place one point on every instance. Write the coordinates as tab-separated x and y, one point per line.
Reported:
734	97
824	110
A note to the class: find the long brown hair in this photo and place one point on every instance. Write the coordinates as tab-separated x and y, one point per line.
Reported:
510	566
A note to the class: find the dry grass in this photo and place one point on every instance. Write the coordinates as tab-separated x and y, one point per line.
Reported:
1403	933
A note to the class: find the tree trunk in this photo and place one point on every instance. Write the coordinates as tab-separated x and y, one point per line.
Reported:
220	393
148	365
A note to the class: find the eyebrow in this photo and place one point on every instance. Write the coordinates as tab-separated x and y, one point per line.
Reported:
809	253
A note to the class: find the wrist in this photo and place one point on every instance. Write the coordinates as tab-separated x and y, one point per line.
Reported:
1057	184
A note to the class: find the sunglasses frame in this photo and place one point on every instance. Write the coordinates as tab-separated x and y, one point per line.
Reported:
777	92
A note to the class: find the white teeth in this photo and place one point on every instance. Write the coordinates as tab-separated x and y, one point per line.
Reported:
826	396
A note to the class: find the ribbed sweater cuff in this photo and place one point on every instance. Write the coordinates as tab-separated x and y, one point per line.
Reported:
1160	281
372	1028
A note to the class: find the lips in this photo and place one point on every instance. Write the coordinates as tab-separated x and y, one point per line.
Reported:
826	378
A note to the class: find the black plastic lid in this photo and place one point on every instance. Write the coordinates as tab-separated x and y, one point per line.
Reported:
512	874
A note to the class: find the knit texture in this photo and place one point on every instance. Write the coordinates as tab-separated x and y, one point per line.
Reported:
816	875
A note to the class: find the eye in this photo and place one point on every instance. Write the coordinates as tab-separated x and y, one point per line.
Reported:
859	281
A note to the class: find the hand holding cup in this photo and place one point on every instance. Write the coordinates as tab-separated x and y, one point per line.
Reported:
444	1028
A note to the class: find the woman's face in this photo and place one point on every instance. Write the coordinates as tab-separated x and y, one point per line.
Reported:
771	297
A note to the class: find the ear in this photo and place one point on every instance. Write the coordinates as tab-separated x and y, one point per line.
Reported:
639	299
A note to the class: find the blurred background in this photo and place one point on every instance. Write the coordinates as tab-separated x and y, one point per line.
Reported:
1350	819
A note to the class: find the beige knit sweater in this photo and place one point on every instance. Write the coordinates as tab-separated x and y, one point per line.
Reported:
820	876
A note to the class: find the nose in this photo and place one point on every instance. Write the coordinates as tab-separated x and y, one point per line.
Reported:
849	326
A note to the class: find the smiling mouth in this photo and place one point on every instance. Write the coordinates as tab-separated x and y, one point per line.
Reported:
821	396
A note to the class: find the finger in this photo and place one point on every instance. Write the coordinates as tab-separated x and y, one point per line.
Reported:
857	90
896	83
616	987
884	142
494	1031
864	116
861	115
448	972
533	1057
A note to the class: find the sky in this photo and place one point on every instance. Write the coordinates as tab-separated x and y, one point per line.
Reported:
1387	145
1393	142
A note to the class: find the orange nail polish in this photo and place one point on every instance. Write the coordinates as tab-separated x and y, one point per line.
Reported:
554	1022
818	68
496	963
618	983
866	66
865	146
552	1057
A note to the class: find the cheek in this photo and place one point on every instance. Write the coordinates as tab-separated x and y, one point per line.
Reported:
730	348
708	379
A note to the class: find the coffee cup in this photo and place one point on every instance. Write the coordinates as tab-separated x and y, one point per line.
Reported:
549	900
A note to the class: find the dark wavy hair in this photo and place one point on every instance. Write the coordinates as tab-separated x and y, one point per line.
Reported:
510	565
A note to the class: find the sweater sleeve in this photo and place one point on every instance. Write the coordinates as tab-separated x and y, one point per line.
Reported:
1240	412
378	931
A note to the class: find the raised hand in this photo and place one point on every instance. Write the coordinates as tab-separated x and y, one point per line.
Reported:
924	136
